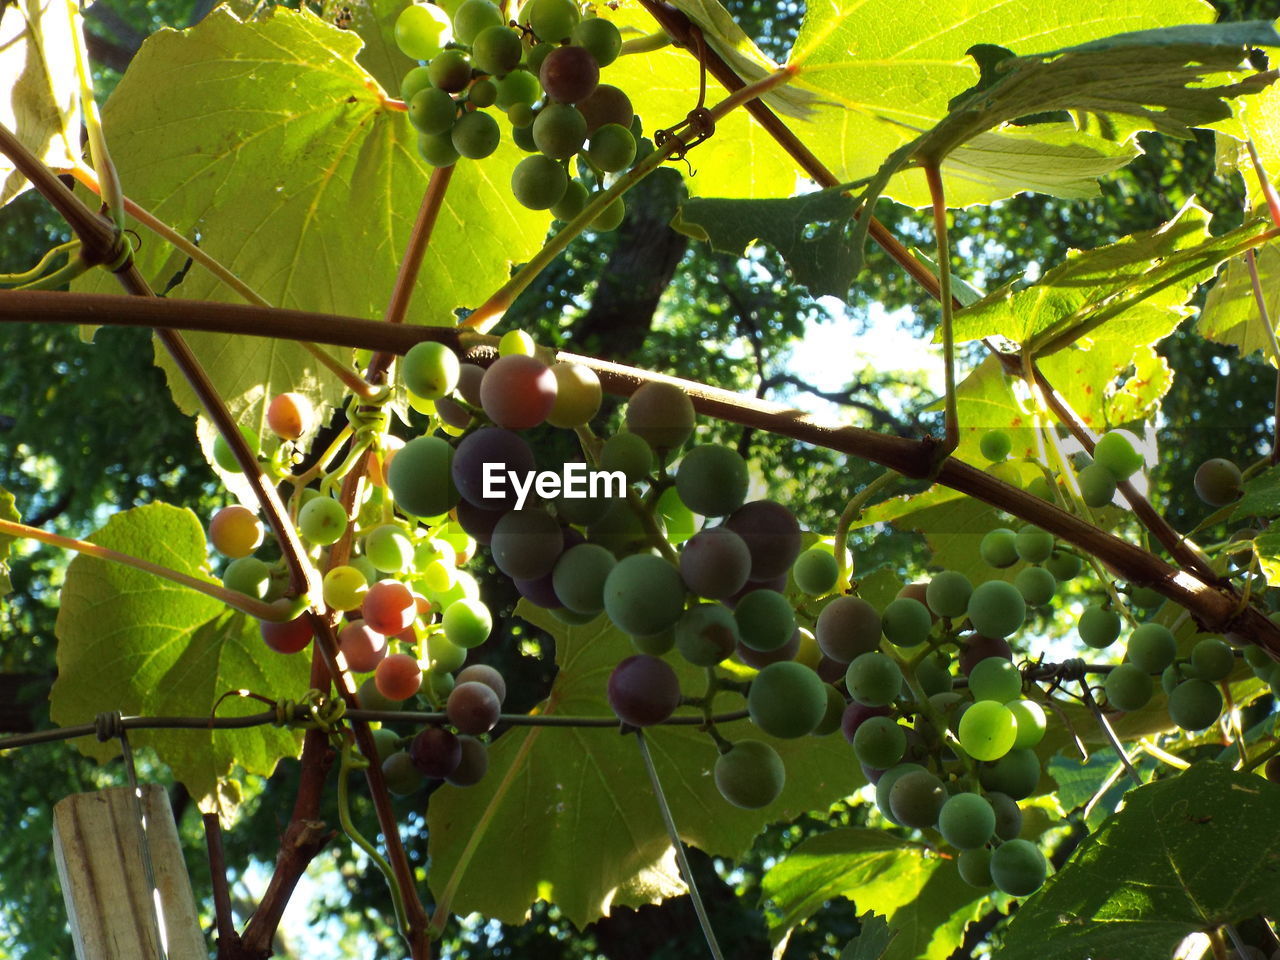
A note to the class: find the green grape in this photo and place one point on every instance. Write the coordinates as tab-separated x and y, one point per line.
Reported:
1033	544
472	18
476	134
344	588
370	698
420	479
1145	597
467	623
1018	868
786	700
538	182
366	568
995	445
600	38
520	116
1258	659
975	867
484	93
1099	627
432	111
518	86
873	680
450	71
644	594
439	685
987	730
629	453
1032	723
578	395
662	415
322	521
879	742
610	218
533	60
1115	451
996	609
995	678
1036	584
933	673
223	456
1040	487
443	655
1152	647
1097	485
712	480
1195	705
579	577
1212	659
422	30
551	20
655	644
1064	566
430	369
1016	774
559	130
906	622
619	528
572	203
678	523
916	799
750	774
1008	815
248	575
517	341
1218	482
706	634
815	572
398	770
948	594
437	149
497	48
967	821
765	620
834	716
419	78
1173	675
885	785
1128	687
999	547
612	148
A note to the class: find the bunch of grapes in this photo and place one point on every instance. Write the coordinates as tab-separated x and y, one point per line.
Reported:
541	72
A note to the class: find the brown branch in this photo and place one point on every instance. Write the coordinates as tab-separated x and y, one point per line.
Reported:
228	939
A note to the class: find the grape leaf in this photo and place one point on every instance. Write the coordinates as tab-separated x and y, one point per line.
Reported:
1261	495
8	511
1259	117
133	642
1169	864
37	67
926	902
1230	315
872	940
375	22
1267	548
568	814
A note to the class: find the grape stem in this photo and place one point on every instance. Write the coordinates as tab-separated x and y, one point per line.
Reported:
346	765
649	43
850	513
112	192
1260	300
951	413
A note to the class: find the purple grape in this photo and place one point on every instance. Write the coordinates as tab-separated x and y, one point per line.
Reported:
643	690
772	535
506	451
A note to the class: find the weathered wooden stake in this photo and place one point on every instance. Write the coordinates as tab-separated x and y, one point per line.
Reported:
113	910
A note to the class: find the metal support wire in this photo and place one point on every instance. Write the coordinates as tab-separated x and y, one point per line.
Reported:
685	871
1087	695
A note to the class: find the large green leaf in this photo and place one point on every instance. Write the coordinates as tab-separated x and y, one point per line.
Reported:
280	154
1177	859
8	511
873	939
38	71
1231	316
568	814
130	641
927	903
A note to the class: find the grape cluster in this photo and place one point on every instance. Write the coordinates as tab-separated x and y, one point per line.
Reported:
541	72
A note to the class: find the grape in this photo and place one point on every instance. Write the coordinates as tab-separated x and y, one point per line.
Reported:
1145	597
235	532
388	549
482	673
662	415
1097	485
483	93
1031	722
879	742
765	620
996	608
874	680
1033	544
401	774
506	451
362	647
999	547
916	799
1115	451
715	563
1099	627
619	529
569	74
473	707
538	182
676	519
579	577
786	700
467	623
644	594
430	369
995	445
1128	687
1218	482
978	648
518	392
223	456
551	20
476	134
947	594
419	78
419	477
386	742
610	217
906	622
848	627
437	149
422	30
496	49
628	453
289	415
1018	868
856	714
1258	659
1064	566
1008	815
290	636
572	203
450	71
322	520
433	111
995	679
1212	659
1195	705
398	676
578	394
1016	774
712	480
518	86
885	784
612	148
934	675
472	18
443	655
559	130
344	588
452	414
472	765
247	575
987	730
643	690
389	607
706	634
436	752
368	697
1036	584
600	37
967	821
606	104
750	774
815	572
975	867
831	717
771	534
527	543
1152	647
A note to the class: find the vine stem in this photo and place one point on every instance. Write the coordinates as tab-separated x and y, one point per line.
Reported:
224	920
1263	314
951	414
112	192
487	315
1268	191
232	598
852	510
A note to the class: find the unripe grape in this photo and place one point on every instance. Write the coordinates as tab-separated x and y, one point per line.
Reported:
999	547
628	453
322	520
247	575
443	655
1097	485
467	623
369	698
1195	705
344	588
995	678
884	787
551	20
1036	584
995	445
610	218
420	479
402	776
559	130
437	149
643	690
572	203
874	680
578	394
1032	724
662	414
934	675
1212	659
518	86
422	30
750	774
1128	687
967	821
916	799
388	549
712	480
1008	815
472	18
644	594
1115	451
787	700
1152	647
978	648
496	50
1099	627
987	730
612	148
289	415
433	111
996	609
1064	566
947	594
906	622
1033	544
235	531
538	182
880	742
476	134
579	577
765	620
706	634
1218	482
1018	868
430	369
1016	774
600	37
815	572
975	867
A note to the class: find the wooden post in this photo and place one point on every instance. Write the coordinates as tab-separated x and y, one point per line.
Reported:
98	845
